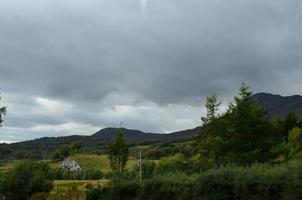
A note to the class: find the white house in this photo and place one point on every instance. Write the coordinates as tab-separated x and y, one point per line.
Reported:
71	165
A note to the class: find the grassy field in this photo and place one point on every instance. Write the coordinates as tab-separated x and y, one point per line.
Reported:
98	162
73	189
7	166
86	161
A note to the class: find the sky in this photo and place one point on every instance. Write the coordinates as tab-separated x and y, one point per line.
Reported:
76	66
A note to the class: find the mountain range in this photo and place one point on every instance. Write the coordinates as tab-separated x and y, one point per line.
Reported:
280	106
277	106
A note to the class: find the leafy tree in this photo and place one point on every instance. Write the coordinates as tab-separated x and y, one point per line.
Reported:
212	107
118	151
295	140
2	112
290	122
208	142
278	129
249	133
26	179
76	147
241	135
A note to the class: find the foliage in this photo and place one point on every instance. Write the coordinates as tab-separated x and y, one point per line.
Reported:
168	188
256	182
174	164
67	150
241	135
118	151
260	181
3	111
26	179
63	174
212	108
295	140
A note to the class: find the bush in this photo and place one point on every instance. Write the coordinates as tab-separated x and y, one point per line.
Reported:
63	174
26	179
168	188
175	164
256	182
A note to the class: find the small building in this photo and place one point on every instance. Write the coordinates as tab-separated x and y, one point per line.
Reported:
71	165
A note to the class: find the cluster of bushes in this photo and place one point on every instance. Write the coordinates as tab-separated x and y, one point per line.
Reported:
161	150
27	180
62	174
172	187
260	181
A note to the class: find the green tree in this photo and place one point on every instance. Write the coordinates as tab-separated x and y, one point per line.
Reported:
118	151
241	135
249	135
26	179
212	107
295	139
208	142
3	110
290	122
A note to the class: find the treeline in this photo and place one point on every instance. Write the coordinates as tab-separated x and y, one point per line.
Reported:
237	154
260	181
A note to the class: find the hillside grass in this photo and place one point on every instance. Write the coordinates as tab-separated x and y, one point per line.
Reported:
73	189
4	167
99	162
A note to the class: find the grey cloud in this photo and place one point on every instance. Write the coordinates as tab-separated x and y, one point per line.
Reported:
96	54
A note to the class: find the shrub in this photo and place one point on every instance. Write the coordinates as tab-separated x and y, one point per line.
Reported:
256	182
26	179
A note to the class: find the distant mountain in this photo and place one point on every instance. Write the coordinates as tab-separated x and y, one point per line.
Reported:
275	104
41	148
280	106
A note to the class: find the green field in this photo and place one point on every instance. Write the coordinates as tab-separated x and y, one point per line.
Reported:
86	161
73	189
7	166
98	162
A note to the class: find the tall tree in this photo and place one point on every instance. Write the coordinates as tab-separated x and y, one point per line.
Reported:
291	122
241	135
208	141
2	112
212	107
250	129
118	151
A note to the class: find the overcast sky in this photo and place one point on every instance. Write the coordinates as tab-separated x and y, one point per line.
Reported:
76	66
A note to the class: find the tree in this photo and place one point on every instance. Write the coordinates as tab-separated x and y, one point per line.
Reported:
118	151
290	122
2	112
208	141
249	131
212	107
295	139
241	135
26	179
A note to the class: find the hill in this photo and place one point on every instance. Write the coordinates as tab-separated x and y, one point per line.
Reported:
280	106
42	147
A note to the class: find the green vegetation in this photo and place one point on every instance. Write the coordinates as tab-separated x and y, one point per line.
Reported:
225	155
71	189
25	180
237	154
2	112
260	181
118	152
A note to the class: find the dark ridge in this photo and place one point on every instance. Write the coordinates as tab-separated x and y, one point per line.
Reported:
280	106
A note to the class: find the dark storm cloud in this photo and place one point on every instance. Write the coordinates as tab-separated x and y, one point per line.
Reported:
95	56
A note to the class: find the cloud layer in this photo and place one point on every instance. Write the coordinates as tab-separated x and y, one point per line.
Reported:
74	66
